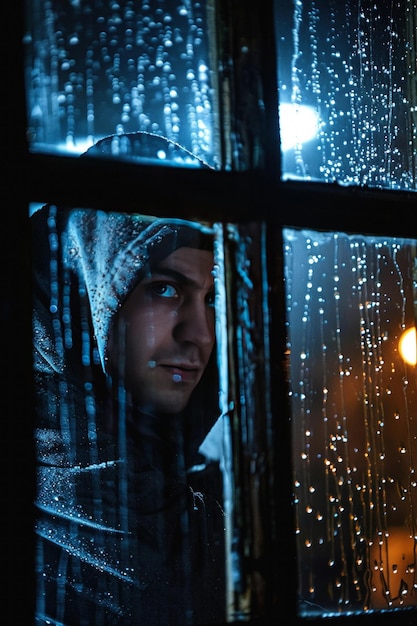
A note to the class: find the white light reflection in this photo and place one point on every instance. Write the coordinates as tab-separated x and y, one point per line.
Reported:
298	124
76	147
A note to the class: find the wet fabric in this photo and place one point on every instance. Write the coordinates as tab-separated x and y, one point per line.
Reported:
129	532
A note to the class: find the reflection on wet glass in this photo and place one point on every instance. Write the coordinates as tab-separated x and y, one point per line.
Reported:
95	69
350	299
347	73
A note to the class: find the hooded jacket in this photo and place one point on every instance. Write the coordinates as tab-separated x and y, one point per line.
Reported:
123	534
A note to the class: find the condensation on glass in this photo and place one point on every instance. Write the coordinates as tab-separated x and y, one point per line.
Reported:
96	69
348	92
351	303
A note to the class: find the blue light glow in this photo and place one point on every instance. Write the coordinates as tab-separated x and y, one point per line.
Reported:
298	124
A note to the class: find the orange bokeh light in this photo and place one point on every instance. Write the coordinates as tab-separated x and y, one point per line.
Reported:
407	346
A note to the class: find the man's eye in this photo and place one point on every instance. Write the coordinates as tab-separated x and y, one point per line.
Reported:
210	299
164	290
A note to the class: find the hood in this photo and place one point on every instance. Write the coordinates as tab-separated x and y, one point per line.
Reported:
86	262
146	147
108	253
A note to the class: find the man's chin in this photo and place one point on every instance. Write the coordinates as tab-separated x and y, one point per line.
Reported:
165	403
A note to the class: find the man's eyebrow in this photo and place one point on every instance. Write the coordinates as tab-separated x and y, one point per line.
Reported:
179	277
176	275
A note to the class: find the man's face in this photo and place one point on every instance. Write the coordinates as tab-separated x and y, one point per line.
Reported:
166	331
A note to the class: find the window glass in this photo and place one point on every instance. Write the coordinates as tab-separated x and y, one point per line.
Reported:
133	502
351	331
95	69
347	91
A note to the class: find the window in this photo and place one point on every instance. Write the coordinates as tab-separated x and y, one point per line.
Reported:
286	219
347	83
351	316
97	69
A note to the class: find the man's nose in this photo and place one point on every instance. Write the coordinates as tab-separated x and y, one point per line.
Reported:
195	324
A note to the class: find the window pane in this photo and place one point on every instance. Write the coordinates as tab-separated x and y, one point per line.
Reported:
155	492
347	89
133	501
97	68
351	299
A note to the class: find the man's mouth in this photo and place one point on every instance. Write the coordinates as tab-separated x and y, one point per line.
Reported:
182	373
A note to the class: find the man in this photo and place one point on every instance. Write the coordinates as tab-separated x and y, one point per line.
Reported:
126	390
165	331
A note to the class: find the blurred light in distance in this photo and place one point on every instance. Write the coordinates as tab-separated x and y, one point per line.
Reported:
407	346
298	124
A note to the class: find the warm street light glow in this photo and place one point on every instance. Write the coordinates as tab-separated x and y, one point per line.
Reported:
407	346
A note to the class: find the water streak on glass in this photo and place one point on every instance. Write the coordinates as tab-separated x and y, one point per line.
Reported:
349	299
96	69
347	90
